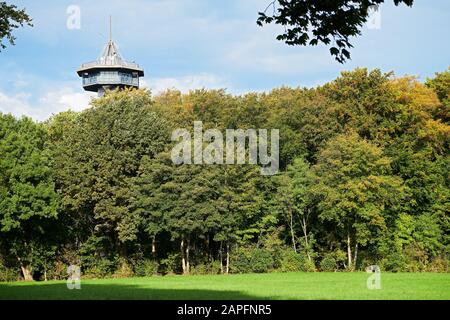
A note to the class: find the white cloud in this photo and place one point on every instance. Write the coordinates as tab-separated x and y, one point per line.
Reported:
16	104
51	102
65	98
185	83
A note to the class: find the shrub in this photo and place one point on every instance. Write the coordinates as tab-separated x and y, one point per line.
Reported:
291	261
124	270
439	264
294	262
251	259
309	266
261	261
171	264
395	262
7	274
240	261
146	268
58	271
206	268
100	269
328	264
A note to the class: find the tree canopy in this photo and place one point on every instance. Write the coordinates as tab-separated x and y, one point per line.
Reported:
11	18
312	22
363	180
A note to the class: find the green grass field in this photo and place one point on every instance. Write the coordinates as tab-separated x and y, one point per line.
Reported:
249	286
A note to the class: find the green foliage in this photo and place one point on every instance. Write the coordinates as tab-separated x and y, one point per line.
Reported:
124	269
98	156
441	85
395	262
364	180
92	250
171	264
251	259
356	190
296	200
212	267
261	261
57	270
28	200
8	274
295	262
328	263
309	22
11	18
146	268
100	268
27	188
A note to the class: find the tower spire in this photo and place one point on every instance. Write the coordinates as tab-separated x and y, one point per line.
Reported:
110	28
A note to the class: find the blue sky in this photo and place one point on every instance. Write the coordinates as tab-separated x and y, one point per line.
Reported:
188	44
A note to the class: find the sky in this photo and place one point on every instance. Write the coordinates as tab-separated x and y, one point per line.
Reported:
191	44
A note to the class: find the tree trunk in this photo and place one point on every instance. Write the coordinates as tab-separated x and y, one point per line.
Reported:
221	258
183	261
26	270
291	225
154	247
188	267
349	251
227	269
356	255
207	248
27	274
305	233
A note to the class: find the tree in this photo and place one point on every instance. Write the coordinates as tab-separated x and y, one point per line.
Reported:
176	199
28	200
441	85
150	200
355	191
296	200
97	158
243	203
11	18
364	102
310	22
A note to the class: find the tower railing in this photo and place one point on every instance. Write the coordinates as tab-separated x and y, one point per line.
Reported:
122	63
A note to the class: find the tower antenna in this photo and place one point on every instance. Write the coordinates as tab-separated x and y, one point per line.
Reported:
110	28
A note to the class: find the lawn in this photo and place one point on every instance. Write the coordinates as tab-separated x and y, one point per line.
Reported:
248	286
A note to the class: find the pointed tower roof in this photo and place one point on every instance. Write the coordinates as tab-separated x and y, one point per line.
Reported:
110	55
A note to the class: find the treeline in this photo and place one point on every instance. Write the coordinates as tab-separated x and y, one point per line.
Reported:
363	180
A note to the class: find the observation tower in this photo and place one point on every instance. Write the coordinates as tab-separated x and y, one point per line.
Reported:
110	71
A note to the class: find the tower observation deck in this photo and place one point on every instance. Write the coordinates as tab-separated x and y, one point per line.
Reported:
110	71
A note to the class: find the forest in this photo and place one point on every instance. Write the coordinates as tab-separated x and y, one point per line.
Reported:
363	180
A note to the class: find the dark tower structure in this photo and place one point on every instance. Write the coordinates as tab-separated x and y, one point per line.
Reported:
110	71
